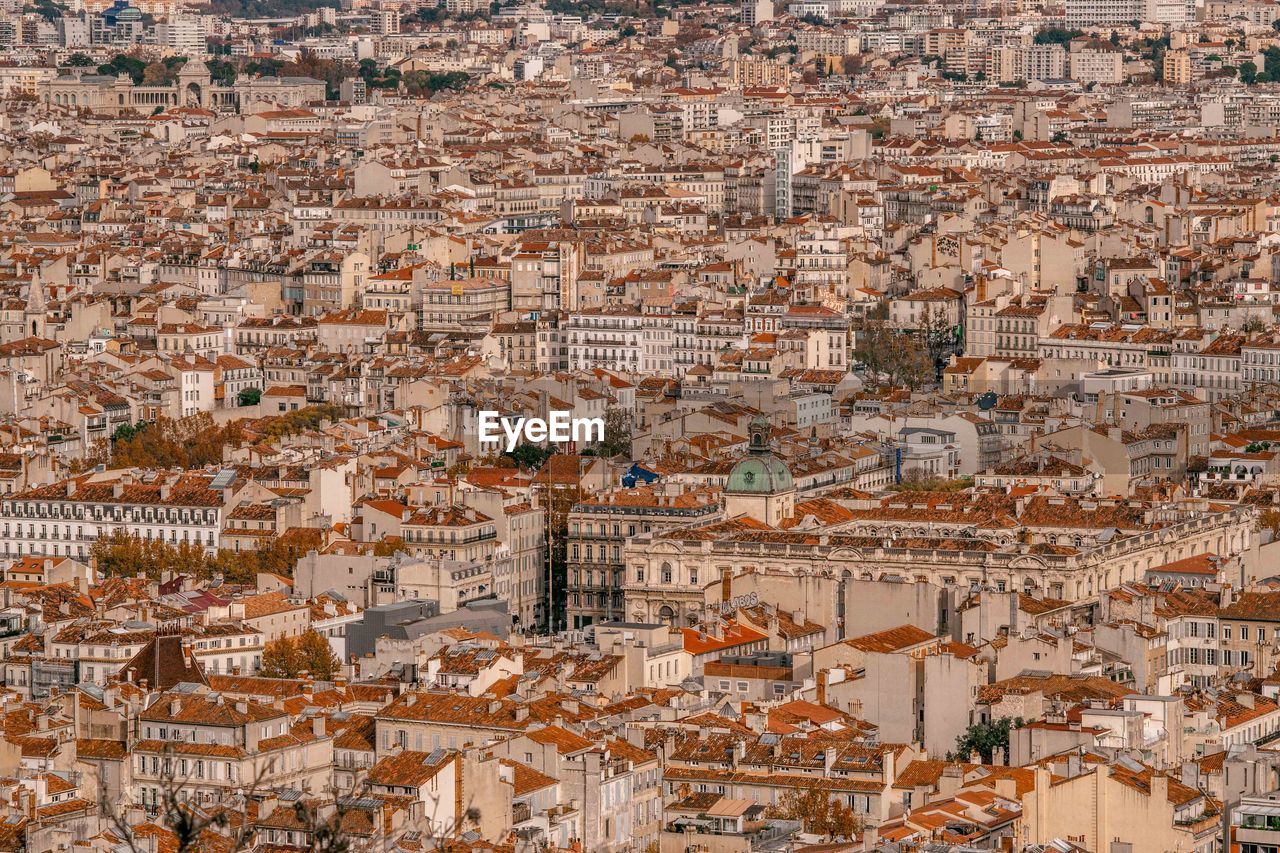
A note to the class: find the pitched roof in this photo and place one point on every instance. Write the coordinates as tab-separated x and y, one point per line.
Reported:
163	663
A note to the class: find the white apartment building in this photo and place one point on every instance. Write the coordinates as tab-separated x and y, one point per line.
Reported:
67	517
621	341
1085	13
185	35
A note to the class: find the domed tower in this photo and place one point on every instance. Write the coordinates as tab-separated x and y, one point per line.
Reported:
761	485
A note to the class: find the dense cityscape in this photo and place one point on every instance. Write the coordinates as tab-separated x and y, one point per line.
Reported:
640	426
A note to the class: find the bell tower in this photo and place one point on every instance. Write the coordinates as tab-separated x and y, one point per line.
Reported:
760	486
34	315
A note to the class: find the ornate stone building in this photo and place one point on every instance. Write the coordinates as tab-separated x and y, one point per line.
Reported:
1046	545
194	87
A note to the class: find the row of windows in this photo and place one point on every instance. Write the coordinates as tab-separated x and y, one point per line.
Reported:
1209	630
666	575
163	515
1209	657
184	769
602	553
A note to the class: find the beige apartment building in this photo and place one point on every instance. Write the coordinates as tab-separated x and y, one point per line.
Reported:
599	529
1119	808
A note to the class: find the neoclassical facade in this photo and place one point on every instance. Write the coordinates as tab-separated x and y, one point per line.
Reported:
1048	546
194	87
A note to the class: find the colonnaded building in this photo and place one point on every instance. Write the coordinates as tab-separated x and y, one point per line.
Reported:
1040	543
195	87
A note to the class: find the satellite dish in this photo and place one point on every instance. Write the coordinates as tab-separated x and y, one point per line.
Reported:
988	401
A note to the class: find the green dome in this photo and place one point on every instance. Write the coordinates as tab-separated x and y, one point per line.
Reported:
760	474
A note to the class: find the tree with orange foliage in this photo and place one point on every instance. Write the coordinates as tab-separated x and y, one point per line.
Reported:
819	814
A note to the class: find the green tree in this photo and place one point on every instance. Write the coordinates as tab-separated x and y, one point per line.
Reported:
50	10
249	397
1057	35
126	432
528	455
1248	72
129	66
1271	62
79	60
264	68
221	71
985	738
420	84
